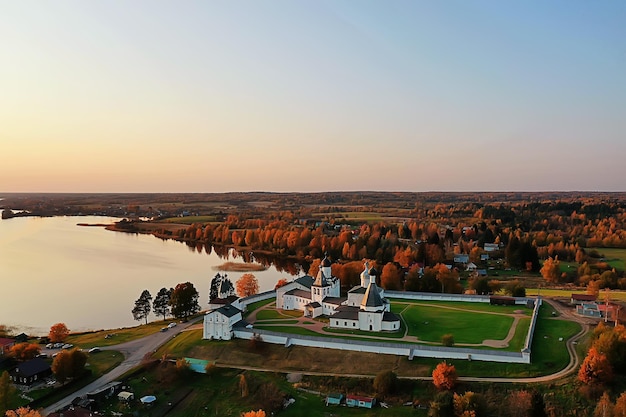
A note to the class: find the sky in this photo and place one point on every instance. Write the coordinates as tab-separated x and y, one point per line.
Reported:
307	96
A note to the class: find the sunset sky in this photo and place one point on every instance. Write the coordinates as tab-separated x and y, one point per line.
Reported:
212	96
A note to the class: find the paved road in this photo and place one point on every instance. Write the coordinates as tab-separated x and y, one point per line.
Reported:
134	352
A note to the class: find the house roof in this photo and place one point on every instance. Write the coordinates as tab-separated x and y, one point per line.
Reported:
359	398
348	313
584	297
334	300
314	305
75	412
372	296
227	300
6	342
389	316
358	290
299	293
228	310
32	367
306	280
321	281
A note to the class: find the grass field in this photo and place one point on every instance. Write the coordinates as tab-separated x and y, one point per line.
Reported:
116	336
615	257
549	354
431	323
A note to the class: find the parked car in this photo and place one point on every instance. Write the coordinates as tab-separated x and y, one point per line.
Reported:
172	324
50	346
94	350
67	346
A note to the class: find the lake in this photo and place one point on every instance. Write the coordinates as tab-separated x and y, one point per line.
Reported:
52	271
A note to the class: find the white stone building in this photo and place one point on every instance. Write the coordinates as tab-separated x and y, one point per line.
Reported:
365	307
219	323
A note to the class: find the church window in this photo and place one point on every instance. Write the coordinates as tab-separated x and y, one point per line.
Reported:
345	323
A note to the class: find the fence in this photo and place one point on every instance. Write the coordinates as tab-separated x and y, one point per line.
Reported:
402	349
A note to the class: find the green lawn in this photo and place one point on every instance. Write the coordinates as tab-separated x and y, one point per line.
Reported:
430	323
486	307
281	321
251	307
98	338
615	257
271	314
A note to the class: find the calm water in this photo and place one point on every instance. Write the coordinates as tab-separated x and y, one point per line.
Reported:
52	270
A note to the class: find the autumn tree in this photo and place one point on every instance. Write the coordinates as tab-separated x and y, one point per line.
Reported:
6	392
69	364
281	283
604	407
243	385
595	369
469	404
444	376
142	306
258	413
23	412
519	404
551	269
390	277
447	340
58	332
184	300
247	285
385	383
620	406
161	304
24	351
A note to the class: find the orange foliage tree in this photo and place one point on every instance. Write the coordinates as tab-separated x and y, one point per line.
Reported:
58	332
444	376
281	283
595	368
23	412
390	277
247	285
24	351
258	413
551	269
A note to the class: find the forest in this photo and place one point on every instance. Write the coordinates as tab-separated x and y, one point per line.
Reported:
562	236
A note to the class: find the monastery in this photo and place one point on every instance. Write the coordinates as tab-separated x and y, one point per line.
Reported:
365	307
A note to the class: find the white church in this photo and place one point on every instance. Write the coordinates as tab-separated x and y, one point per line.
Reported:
365	307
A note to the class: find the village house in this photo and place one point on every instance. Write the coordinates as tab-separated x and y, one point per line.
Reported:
29	372
360	401
5	345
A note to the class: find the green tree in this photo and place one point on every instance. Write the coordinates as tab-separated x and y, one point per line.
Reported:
184	300
385	383
161	304
142	306
214	289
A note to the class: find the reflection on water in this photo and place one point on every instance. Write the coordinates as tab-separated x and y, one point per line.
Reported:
52	270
